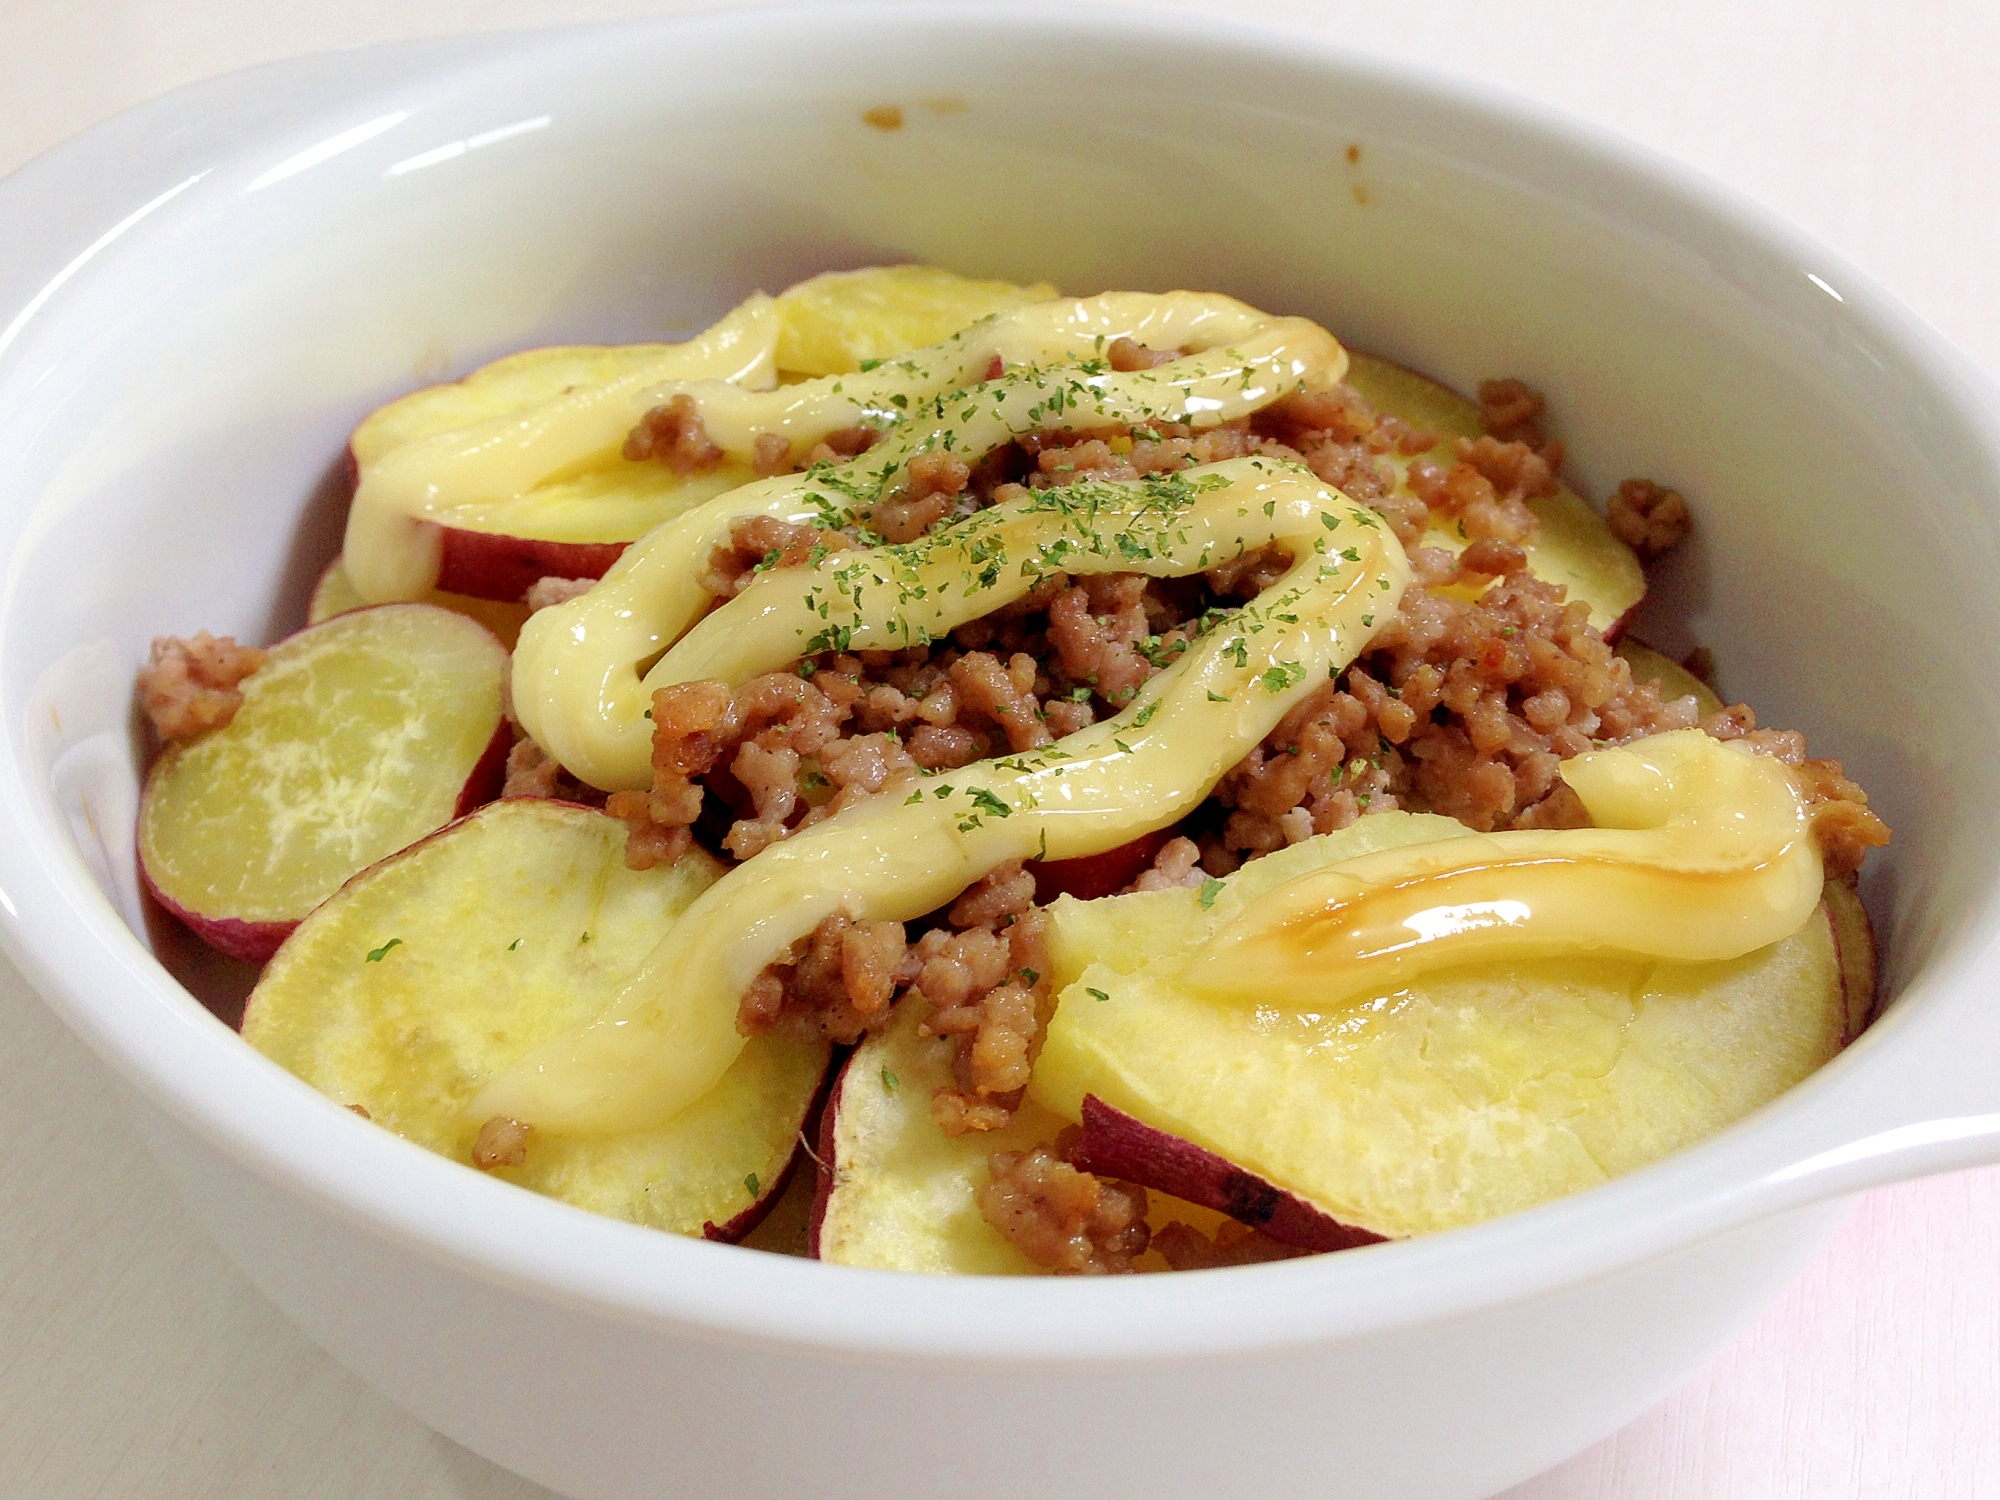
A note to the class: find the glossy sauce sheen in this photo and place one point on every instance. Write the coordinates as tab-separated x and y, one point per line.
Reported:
1701	851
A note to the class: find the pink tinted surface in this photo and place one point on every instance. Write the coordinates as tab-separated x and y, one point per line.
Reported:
135	1363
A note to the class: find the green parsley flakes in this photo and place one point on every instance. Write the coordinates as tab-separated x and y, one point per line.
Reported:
376	955
985	801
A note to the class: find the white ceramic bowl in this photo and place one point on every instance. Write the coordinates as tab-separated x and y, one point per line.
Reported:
197	301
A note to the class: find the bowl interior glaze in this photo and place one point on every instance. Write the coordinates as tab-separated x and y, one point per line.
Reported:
209	313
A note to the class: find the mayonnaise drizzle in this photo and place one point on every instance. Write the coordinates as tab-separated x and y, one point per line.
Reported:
577	683
392	548
671	1033
1701	851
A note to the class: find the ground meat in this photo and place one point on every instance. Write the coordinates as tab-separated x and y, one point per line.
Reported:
530	771
1249	575
1185	1248
770	453
501	1143
1459	707
189	685
1063	1220
1468	708
837	985
1004	695
791	749
987	988
759	543
1336	435
980	976
1511	411
673	433
1648	518
838	447
1126	355
546	592
1177	864
1487	491
647	843
931	487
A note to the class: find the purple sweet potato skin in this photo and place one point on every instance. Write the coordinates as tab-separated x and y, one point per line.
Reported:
1114	1144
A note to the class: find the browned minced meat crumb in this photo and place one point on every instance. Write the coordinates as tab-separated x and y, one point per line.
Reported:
674	434
501	1143
647	843
532	772
770	453
789	749
1511	411
1177	864
837	986
1185	1248
930	491
839	447
1126	355
1468	708
1648	518
759	543
988	990
1063	1220
189	685
1459	707
545	593
1843	825
1487	490
981	976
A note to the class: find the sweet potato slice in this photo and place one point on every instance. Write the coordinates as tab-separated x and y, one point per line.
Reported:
897	1194
1113	1144
439	966
1468	1093
358	737
335	594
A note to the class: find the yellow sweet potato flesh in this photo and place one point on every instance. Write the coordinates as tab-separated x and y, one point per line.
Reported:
829	325
1669	676
1466	1095
488	939
356	738
335	594
903	1197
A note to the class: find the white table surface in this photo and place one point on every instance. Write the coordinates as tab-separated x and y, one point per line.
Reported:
134	1362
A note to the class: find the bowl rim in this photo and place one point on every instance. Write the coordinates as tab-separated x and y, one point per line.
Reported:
78	953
